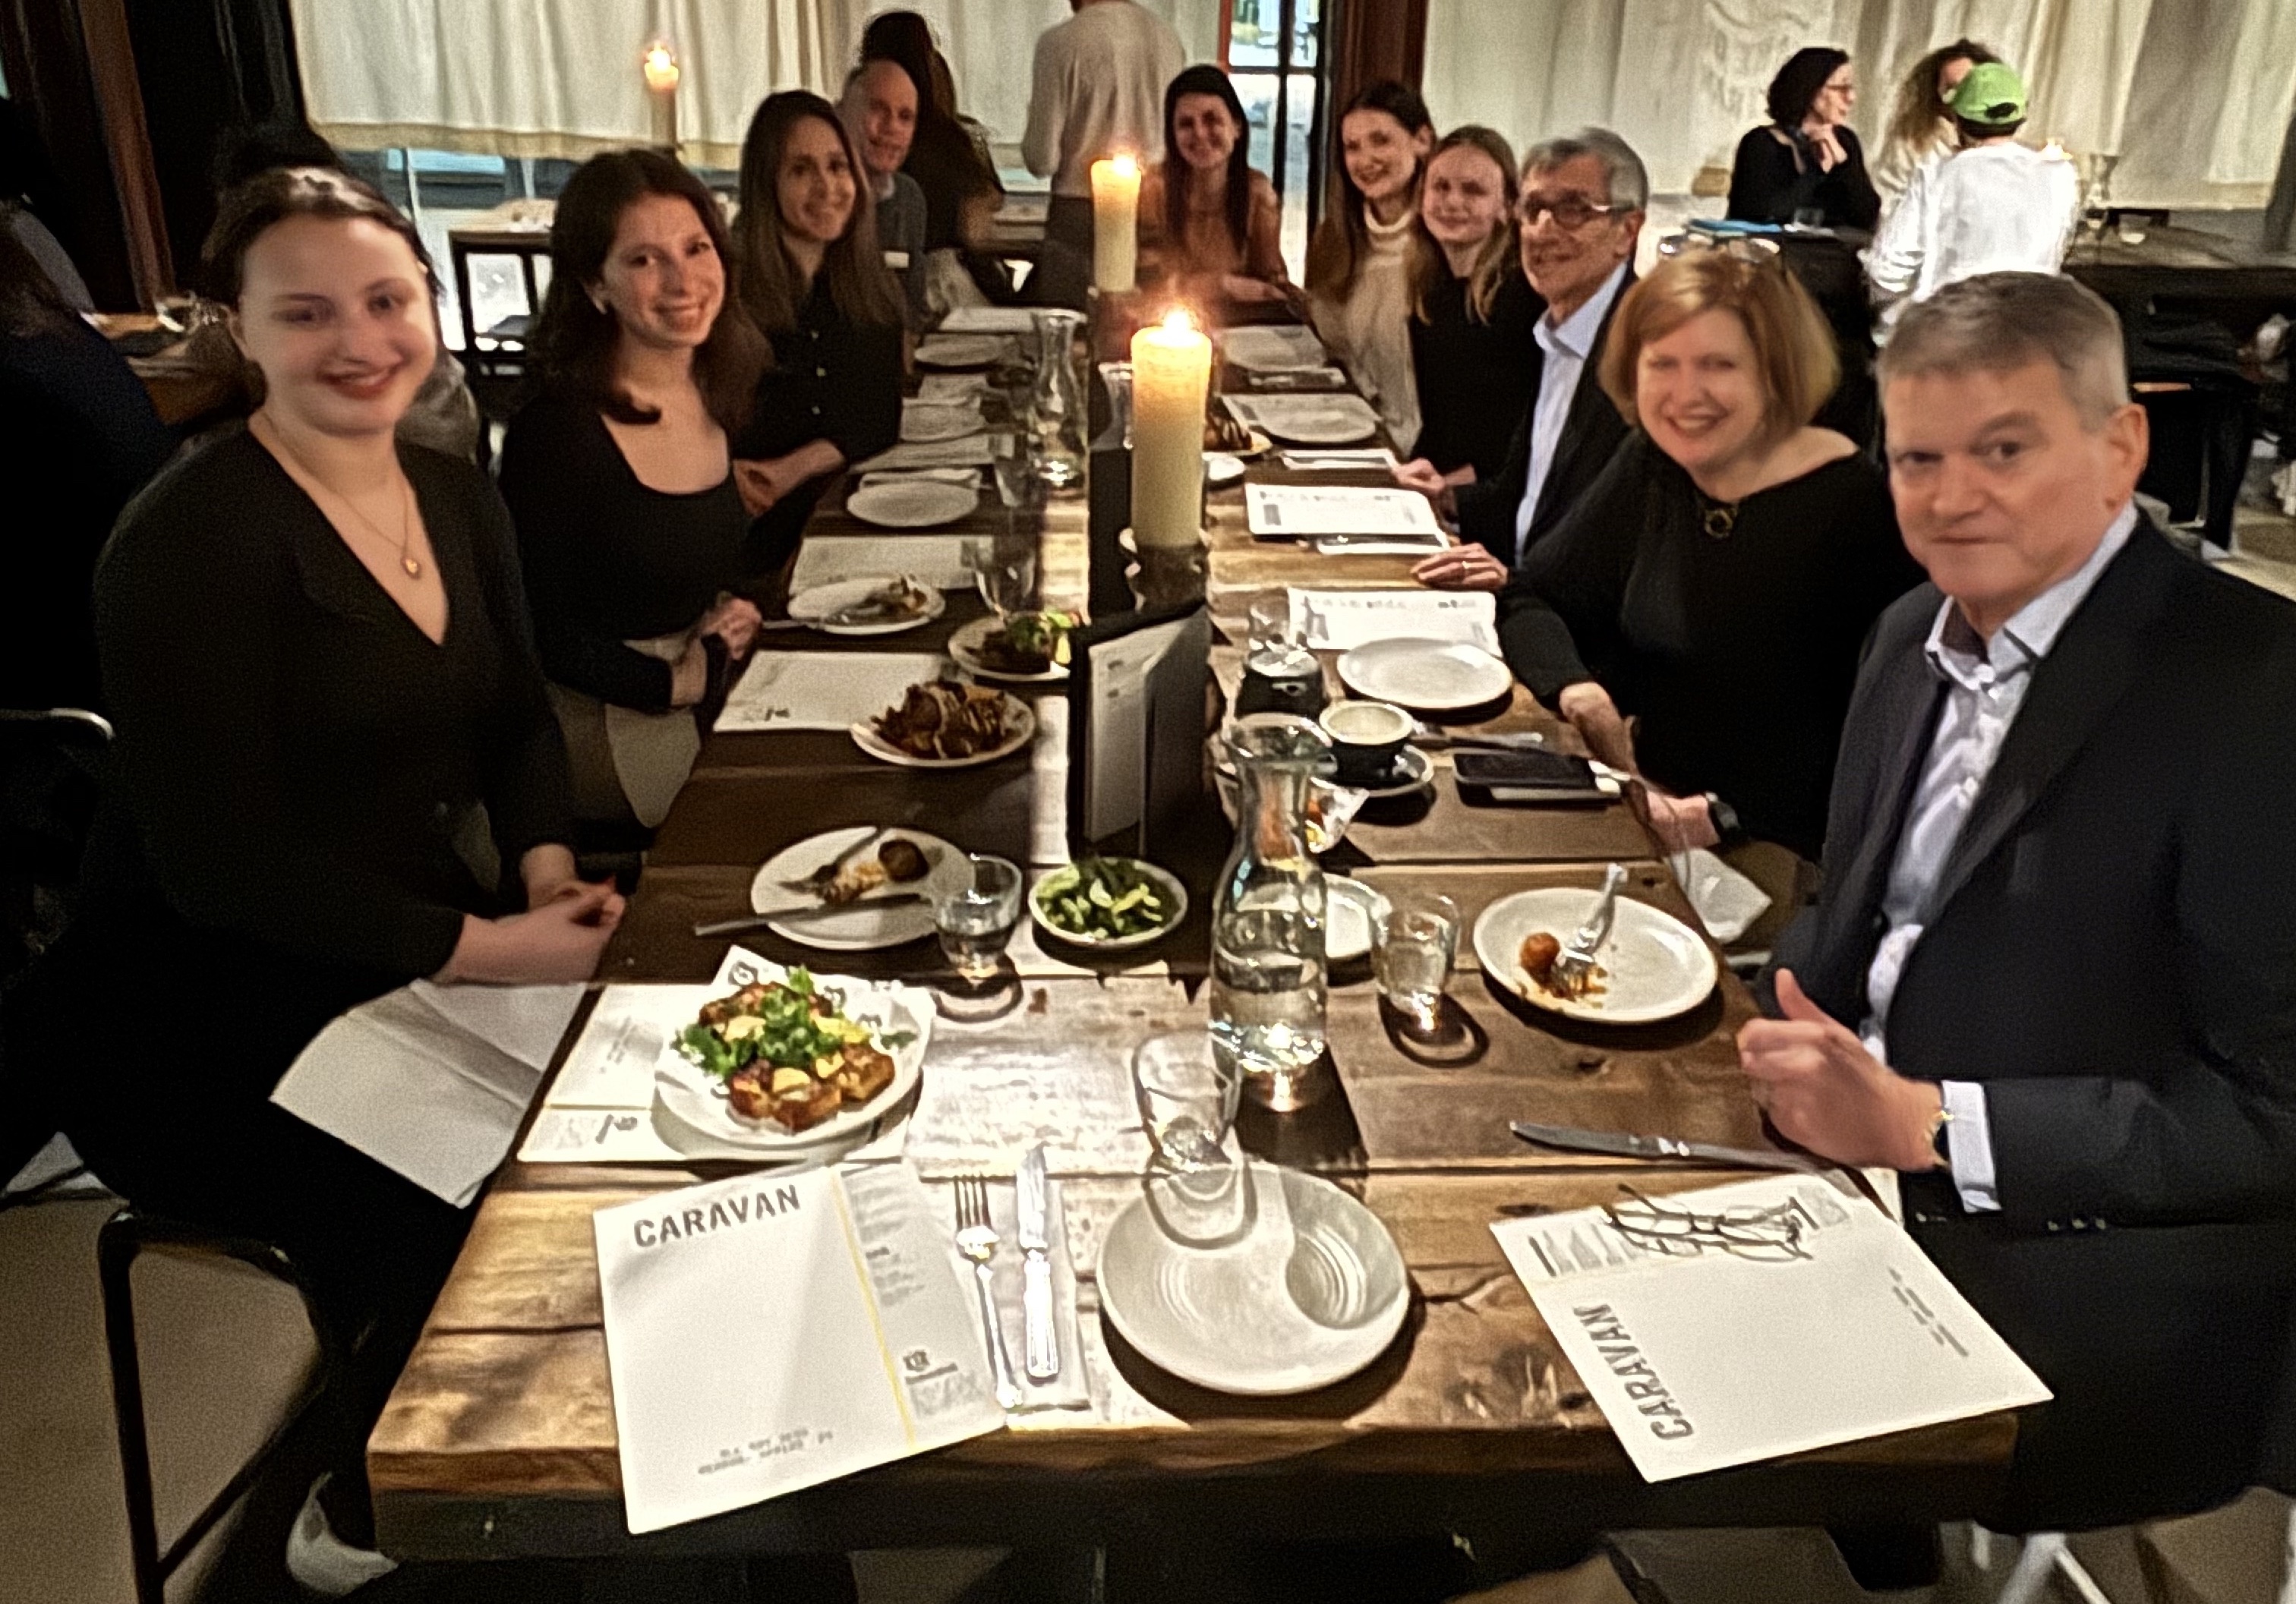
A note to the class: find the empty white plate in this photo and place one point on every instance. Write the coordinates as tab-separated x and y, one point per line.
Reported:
961	350
1654	966
1337	420
1436	676
1313	1291
912	503
922	421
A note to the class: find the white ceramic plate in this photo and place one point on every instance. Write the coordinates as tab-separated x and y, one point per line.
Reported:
1173	891
1435	677
964	646
1311	1294
698	1101
1351	913
961	350
1315	419
863	925
925	420
1019	726
823	601
912	503
1656	966
1223	469
1261	348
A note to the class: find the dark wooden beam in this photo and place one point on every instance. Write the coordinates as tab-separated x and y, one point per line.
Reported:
119	93
68	173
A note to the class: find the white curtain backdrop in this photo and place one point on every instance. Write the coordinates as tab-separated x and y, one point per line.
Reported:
560	78
2193	96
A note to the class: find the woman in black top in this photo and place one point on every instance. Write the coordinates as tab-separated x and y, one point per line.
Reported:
619	480
1719	577
1807	159
335	773
1473	313
815	283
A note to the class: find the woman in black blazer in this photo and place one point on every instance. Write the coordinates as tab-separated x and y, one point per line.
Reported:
335	773
1806	165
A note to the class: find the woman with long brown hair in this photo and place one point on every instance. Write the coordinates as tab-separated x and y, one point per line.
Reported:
1210	225
1474	350
815	286
618	477
1359	262
1922	128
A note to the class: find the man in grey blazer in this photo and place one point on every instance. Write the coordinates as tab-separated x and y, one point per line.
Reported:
2052	976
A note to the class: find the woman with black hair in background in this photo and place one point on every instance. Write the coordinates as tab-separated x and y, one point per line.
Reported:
1359	262
1210	225
815	286
619	479
1806	165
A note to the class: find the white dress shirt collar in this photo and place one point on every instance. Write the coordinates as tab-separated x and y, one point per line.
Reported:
1954	650
1576	333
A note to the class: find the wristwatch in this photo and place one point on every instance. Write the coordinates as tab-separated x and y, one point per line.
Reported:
1726	828
1937	1123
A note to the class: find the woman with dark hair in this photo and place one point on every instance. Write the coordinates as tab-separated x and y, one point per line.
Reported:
816	285
76	422
1210	225
335	773
1359	262
619	480
1921	130
1806	165
1474	352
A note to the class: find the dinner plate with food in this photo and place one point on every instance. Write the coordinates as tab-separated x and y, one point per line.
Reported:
1020	649
1651	967
795	1060
1226	433
943	723
873	604
857	889
1110	904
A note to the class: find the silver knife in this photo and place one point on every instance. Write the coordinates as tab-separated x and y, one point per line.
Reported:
1030	1189
758	921
1626	1144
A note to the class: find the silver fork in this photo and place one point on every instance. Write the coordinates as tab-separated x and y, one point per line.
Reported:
1576	962
976	1238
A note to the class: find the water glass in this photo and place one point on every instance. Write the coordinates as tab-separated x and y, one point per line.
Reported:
1004	571
976	915
1187	1095
1411	951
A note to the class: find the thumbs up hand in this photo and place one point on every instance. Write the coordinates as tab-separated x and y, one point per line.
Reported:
1823	1089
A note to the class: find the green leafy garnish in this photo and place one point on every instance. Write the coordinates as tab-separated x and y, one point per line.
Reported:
781	1028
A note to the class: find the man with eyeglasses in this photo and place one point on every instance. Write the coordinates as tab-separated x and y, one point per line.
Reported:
1579	216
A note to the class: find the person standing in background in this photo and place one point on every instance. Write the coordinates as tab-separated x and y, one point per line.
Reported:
880	108
1097	88
1921	131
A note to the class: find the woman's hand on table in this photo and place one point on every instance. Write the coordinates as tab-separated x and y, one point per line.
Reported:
553	944
735	621
1467	565
1588	710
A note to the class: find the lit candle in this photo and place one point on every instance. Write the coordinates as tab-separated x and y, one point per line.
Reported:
662	75
1171	372
1115	222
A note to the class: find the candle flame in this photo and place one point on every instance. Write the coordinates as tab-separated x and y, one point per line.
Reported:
660	66
1177	322
1124	165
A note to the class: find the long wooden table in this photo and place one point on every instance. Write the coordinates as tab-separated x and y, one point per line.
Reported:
500	1437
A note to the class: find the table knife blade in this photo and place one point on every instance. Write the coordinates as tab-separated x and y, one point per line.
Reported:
1033	1204
1630	1145
758	921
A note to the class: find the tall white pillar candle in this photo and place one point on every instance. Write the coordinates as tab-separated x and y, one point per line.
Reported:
1171	373
1115	223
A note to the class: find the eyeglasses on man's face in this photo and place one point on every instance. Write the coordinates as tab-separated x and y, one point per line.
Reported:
1571	212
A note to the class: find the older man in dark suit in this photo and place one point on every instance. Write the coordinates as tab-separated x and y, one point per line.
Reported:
2052	977
1577	220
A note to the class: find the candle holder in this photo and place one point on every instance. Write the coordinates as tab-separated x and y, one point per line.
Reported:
1163	577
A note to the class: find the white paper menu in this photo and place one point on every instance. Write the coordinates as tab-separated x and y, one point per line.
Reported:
1340	620
822	689
1312	511
1706	1358
772	1332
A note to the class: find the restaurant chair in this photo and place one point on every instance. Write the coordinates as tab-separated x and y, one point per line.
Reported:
124	1239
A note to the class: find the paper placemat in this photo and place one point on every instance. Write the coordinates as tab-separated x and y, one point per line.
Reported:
1340	620
823	690
935	560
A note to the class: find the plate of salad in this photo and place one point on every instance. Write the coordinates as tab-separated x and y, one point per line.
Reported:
795	1060
1107	903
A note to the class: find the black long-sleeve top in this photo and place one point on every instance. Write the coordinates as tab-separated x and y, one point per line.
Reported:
1476	379
608	559
1737	653
1772	178
295	757
832	380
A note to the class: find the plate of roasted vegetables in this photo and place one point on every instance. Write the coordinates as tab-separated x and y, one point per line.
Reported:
1021	648
857	889
795	1059
1110	904
945	724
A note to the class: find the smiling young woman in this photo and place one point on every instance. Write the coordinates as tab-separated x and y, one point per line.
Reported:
618	477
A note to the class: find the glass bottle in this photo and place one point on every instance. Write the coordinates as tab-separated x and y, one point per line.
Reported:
1269	983
1057	405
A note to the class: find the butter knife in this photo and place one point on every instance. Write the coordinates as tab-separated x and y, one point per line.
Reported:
798	915
1628	1145
1030	1189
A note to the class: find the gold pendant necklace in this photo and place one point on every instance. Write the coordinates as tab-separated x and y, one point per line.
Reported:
406	542
1719	518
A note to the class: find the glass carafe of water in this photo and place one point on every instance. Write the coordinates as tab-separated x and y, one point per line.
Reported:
1057	405
1268	984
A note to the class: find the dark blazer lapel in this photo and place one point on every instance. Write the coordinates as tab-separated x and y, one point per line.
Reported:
1906	709
2090	668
